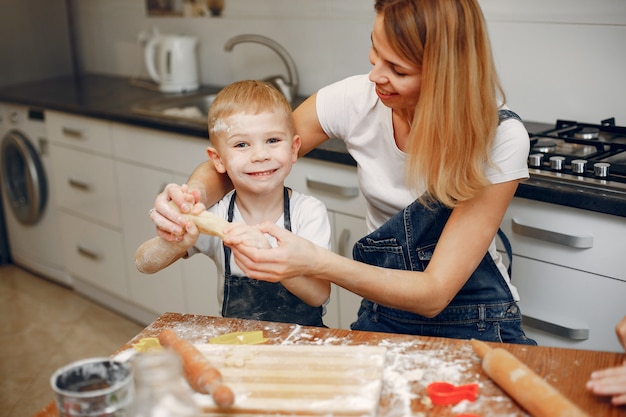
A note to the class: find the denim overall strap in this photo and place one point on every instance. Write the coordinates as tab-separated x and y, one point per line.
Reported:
247	298
484	307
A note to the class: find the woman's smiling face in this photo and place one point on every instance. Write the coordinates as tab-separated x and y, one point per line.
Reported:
255	150
398	82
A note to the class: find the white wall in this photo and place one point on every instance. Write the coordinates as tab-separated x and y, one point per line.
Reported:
557	58
34	41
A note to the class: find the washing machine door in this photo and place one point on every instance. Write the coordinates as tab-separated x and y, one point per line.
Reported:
23	178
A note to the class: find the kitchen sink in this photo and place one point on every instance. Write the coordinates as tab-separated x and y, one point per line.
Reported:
191	108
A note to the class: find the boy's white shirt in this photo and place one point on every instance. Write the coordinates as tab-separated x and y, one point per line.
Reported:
309	219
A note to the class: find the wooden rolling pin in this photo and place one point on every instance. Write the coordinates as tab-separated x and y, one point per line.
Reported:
531	391
199	373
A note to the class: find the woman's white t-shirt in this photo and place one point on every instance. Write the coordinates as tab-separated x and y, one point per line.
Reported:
309	219
351	111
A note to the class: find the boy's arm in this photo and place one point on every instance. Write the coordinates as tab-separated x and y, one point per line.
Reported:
157	253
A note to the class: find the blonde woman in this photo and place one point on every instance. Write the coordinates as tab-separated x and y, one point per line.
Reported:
439	159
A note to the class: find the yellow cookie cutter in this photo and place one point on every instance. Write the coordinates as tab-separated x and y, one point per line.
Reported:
147	344
239	338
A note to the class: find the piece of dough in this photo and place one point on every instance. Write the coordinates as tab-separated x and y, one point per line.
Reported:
208	223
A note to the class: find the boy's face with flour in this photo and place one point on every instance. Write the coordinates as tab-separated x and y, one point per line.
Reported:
256	150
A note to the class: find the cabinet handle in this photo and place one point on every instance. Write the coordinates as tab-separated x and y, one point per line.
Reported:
87	253
80	185
344	238
556	329
344	191
582	242
72	133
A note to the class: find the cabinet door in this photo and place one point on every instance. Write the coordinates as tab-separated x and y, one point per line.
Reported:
138	187
336	185
85	184
93	253
569	308
79	132
346	231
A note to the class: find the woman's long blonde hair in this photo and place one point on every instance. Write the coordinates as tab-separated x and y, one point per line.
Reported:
456	117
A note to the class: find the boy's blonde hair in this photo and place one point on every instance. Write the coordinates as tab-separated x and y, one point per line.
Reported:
456	117
249	97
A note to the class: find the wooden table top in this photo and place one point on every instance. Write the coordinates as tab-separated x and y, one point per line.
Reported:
414	362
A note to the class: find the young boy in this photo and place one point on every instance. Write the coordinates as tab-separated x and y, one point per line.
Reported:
252	133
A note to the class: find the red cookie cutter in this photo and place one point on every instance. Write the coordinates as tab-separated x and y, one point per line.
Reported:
444	393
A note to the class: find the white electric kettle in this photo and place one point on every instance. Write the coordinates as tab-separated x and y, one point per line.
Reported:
171	62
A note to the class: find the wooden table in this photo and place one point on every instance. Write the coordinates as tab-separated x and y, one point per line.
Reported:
413	362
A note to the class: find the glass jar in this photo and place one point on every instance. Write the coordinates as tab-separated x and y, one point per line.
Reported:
160	390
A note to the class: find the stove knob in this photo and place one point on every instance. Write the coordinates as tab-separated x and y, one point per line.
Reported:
534	160
556	162
601	169
579	166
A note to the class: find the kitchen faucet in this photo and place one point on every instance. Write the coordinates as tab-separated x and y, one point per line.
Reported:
289	88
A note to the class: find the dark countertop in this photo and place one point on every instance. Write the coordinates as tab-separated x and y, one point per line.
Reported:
112	98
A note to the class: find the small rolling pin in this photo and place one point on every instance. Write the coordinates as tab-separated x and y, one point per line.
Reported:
531	391
199	373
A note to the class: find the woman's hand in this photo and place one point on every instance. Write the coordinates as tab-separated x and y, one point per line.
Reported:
241	235
286	263
620	330
292	257
169	206
612	381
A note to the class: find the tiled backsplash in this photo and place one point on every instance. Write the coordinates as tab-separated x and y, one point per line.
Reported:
557	58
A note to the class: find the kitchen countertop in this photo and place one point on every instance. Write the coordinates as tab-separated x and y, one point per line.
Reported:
112	98
412	363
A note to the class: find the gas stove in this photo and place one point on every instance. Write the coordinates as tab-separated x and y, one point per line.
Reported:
588	155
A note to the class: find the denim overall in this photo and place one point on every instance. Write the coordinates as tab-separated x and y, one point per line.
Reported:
247	298
483	309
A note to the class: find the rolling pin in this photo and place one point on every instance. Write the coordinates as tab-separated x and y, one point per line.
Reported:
531	391
199	373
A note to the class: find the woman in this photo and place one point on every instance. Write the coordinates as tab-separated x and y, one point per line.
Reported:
431	105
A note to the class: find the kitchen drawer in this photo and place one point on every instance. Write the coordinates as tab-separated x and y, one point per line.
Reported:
85	184
577	239
166	151
94	253
79	132
336	185
572	309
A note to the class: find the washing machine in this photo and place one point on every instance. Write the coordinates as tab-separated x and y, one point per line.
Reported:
27	195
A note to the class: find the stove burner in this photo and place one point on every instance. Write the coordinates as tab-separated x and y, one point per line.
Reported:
593	155
588	133
545	145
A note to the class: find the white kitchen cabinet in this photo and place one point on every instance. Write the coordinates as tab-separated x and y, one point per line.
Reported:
86	196
346	231
570	270
146	161
93	254
336	185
